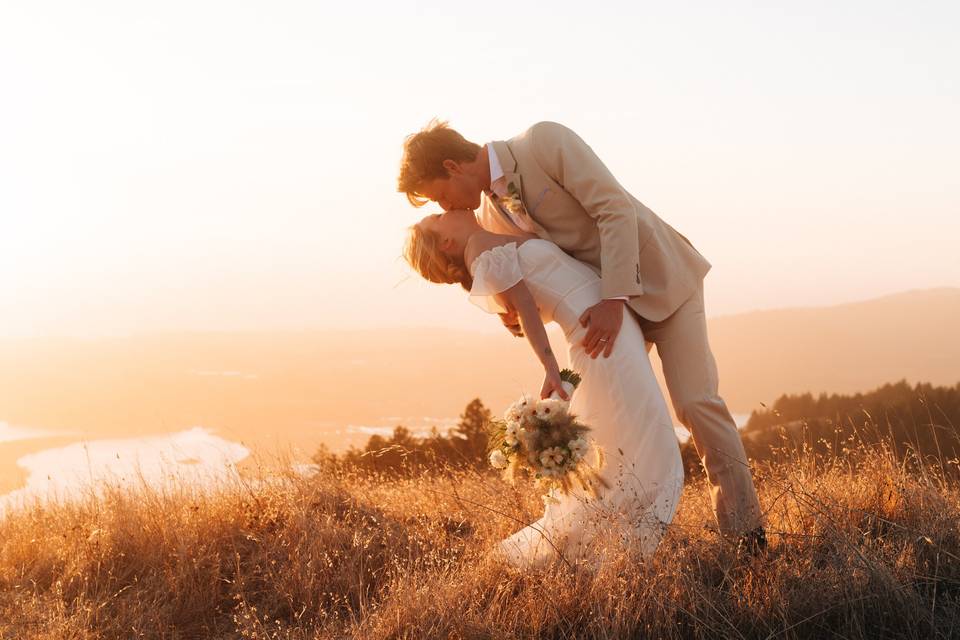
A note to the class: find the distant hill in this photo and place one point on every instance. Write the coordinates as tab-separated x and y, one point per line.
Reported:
839	349
341	386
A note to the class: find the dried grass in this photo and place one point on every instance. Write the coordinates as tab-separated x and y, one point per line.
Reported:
860	548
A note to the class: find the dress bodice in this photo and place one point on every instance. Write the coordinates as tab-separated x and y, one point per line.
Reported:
562	286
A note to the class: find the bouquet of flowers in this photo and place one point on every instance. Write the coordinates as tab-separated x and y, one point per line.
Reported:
545	439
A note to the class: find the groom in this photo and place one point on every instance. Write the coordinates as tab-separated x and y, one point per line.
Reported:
548	182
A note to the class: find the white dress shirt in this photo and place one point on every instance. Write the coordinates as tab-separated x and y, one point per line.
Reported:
498	186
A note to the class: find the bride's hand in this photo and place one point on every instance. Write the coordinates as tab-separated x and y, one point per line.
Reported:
511	320
551	383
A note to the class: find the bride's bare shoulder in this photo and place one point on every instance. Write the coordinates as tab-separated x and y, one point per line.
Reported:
484	241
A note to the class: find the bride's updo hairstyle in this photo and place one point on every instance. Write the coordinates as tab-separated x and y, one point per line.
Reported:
422	252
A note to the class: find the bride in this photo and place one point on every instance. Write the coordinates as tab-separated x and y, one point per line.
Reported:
618	398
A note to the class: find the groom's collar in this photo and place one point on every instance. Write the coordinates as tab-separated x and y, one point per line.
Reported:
502	166
496	171
504	156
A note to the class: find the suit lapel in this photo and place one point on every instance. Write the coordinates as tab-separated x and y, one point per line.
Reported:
515	185
498	214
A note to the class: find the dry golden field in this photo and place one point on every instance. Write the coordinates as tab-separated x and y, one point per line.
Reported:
860	547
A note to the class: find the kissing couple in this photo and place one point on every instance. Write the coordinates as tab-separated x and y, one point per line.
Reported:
537	229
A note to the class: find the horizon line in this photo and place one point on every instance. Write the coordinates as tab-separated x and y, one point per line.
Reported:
420	327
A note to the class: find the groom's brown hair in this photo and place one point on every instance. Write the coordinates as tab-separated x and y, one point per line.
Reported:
423	156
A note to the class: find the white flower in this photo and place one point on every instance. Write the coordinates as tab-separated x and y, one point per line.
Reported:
497	459
551	457
546	459
550	409
512	433
578	448
522	409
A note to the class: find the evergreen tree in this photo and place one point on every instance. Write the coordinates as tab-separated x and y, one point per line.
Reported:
472	432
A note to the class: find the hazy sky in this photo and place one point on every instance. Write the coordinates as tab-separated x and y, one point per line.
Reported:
232	164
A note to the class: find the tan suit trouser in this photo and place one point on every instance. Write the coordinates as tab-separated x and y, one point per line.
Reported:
691	375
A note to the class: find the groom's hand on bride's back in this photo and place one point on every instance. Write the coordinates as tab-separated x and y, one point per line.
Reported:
511	320
602	321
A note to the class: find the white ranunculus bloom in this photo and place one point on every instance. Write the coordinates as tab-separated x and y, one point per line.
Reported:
497	459
550	408
578	447
546	460
551	457
524	408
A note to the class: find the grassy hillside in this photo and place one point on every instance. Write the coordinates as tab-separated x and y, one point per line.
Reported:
860	548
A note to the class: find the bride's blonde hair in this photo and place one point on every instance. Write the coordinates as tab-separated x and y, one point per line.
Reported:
422	252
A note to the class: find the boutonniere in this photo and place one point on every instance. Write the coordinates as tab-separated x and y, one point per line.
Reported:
512	201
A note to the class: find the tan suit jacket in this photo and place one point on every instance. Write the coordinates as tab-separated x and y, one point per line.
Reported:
570	197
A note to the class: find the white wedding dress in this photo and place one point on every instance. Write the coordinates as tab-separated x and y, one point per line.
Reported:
619	399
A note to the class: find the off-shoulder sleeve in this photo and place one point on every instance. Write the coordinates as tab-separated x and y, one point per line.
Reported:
495	270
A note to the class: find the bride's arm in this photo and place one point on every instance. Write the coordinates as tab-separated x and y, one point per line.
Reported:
518	298
482	241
